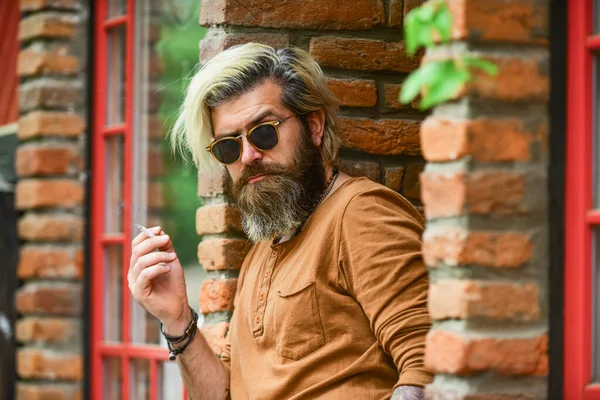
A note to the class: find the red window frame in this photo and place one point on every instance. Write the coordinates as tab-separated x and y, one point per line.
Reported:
581	218
125	350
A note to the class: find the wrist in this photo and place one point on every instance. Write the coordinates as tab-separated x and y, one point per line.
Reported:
178	326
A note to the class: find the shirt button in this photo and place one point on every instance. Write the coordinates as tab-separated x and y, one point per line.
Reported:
267	274
262	296
273	254
257	319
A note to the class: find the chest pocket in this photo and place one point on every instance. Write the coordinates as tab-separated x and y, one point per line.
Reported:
298	322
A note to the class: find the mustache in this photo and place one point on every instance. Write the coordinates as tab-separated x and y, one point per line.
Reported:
257	169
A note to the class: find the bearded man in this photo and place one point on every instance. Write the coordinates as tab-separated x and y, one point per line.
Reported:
331	300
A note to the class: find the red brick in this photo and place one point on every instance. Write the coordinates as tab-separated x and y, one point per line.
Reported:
49	391
392	94
156	167
489	249
454	298
215	184
34	5
222	253
361	168
461	354
47	123
395	12
45	160
217	295
32	62
50	93
34	193
385	137
215	336
50	227
354	92
49	298
362	54
311	14
410	5
393	177
447	194
412	186
156	198
34	363
50	262
218	218
47	330
156	127
504	21
48	25
216	41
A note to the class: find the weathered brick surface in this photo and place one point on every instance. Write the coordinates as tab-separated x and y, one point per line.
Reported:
222	253
46	160
49	391
215	336
216	41
49	262
395	13
49	298
218	218
48	25
33	5
447	194
496	300
315	14
362	54
47	330
462	354
483	139
354	92
50	227
50	93
156	196
217	295
393	178
56	62
384	137
392	94
214	184
48	123
34	363
34	193
361	168
517	21
454	246
412	186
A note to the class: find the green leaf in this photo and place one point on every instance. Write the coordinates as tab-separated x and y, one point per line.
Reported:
412	86
448	82
411	33
442	20
425	13
487	66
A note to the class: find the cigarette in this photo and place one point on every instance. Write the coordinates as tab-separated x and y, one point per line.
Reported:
145	230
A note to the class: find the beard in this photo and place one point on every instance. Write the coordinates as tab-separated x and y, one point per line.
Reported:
280	202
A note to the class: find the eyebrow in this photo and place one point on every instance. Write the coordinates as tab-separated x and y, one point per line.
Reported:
255	121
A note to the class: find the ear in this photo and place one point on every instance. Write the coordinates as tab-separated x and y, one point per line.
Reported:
316	123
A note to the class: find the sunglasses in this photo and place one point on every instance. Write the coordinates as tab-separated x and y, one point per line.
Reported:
262	137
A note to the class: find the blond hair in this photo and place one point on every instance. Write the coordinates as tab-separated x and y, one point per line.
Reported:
238	70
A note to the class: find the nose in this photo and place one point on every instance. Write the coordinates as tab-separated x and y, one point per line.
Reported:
249	153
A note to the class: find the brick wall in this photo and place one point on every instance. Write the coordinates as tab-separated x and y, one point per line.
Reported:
50	194
359	45
485	197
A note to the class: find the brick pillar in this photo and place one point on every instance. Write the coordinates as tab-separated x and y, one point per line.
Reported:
485	196
50	195
359	45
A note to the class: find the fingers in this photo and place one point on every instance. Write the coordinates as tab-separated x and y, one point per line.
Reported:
147	261
142	236
140	286
147	246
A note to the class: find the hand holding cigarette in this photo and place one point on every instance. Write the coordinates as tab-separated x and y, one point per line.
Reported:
156	279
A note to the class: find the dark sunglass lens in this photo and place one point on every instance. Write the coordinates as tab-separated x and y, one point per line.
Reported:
227	151
264	137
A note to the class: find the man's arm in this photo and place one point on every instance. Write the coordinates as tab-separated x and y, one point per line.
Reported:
408	393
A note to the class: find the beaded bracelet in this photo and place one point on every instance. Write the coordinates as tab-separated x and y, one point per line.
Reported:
189	333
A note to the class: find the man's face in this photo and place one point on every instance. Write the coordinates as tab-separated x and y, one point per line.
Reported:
275	189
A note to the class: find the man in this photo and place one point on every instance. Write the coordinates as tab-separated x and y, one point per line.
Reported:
331	299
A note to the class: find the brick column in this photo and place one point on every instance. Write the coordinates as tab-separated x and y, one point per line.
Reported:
485	196
50	195
359	45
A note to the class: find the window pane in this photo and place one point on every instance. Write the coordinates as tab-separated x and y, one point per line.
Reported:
115	90
117	8
113	260
170	385
140	379
112	378
164	189
113	222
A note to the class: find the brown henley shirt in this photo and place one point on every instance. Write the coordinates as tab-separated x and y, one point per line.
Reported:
339	311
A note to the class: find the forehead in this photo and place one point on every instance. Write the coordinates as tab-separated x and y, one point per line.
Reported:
235	115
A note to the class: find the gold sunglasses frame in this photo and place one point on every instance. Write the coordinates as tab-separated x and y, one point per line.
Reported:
238	139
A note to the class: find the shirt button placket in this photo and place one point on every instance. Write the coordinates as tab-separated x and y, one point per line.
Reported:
263	294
